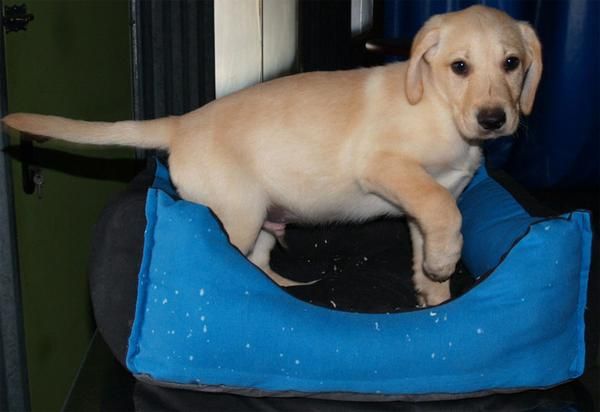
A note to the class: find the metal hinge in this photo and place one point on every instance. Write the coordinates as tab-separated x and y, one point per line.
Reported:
16	18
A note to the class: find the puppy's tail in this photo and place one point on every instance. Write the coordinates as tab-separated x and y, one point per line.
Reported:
148	134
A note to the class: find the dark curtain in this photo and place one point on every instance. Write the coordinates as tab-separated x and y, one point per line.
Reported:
559	144
173	56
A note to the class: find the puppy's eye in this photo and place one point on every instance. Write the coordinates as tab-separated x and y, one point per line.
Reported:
511	63
460	67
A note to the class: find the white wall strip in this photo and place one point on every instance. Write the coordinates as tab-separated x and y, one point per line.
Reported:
255	40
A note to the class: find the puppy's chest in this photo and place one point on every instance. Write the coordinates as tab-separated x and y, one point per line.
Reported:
455	172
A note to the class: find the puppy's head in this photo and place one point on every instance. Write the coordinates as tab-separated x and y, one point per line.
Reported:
484	64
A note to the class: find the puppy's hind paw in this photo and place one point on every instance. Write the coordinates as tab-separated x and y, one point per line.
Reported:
285	282
432	297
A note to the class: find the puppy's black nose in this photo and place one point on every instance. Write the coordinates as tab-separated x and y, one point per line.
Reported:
491	118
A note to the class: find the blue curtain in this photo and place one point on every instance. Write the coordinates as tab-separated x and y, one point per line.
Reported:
559	144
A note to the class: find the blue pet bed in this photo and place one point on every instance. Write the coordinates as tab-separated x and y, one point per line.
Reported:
206	319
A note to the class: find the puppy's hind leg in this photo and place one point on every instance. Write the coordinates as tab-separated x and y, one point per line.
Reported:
242	211
241	224
244	229
261	257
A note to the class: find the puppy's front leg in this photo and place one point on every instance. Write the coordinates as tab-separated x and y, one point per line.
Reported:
405	183
429	292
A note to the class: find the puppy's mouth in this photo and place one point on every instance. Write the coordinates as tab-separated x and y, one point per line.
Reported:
471	129
488	135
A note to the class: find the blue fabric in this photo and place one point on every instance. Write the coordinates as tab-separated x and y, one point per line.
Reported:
489	232
206	316
559	145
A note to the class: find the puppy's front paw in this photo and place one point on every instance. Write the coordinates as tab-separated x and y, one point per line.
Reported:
439	272
440	262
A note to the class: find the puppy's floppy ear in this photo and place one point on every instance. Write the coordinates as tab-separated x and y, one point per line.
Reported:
533	68
425	40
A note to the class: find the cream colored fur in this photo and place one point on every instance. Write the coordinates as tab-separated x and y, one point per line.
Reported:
346	145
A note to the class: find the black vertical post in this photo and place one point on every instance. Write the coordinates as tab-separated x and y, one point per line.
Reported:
326	40
14	387
325	35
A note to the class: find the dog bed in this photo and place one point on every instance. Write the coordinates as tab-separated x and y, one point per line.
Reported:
207	319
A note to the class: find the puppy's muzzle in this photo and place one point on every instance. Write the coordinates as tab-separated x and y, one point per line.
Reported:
492	118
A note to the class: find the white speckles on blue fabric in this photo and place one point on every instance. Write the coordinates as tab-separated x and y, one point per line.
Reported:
217	320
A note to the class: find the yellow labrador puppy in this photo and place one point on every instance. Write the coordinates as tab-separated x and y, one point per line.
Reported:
349	145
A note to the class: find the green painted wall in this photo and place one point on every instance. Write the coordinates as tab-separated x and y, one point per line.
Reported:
73	60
